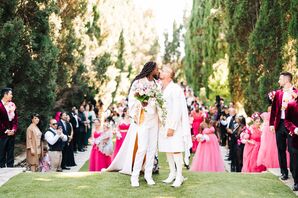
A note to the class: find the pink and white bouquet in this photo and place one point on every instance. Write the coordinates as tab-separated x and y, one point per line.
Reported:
203	138
11	107
151	92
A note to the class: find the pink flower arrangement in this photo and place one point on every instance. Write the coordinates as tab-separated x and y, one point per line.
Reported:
271	95
11	107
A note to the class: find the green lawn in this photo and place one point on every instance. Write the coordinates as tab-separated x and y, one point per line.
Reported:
84	184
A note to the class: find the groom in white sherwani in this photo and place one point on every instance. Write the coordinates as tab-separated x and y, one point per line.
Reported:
175	136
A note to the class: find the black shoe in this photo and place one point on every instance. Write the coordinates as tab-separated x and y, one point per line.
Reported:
186	166
284	177
295	187
59	171
81	150
65	168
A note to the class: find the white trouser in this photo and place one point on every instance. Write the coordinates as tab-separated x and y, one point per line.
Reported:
147	144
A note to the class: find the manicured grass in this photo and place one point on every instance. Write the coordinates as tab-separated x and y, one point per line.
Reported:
84	184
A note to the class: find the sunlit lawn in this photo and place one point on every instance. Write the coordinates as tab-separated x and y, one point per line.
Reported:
84	184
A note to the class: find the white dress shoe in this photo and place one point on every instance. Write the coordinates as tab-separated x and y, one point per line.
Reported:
170	179
150	181
134	182
178	182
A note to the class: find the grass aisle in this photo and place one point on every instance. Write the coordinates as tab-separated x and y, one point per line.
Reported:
84	184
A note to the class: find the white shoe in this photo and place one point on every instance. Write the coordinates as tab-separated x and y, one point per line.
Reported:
178	182
170	179
134	182
150	181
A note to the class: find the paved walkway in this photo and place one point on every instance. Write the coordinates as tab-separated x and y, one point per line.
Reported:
7	173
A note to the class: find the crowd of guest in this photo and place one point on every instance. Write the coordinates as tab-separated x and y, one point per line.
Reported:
254	143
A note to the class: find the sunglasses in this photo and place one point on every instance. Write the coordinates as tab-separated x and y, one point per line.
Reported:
55	124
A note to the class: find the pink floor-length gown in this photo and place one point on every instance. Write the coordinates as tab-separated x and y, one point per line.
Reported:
123	128
197	120
208	157
98	160
251	151
268	154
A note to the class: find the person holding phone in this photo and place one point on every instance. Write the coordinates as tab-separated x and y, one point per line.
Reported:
56	141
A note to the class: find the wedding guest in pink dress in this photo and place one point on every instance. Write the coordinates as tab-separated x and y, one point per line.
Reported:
268	154
102	147
207	157
198	117
252	141
121	133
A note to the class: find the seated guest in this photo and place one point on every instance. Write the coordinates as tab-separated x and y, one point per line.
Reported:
102	148
33	142
56	140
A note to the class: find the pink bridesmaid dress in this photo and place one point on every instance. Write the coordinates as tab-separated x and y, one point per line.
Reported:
123	128
251	151
197	120
208	157
268	154
98	160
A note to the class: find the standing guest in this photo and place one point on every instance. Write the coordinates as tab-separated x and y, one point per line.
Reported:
70	161
237	146
57	116
45	163
230	127
291	123
90	116
33	142
8	128
56	140
102	148
82	128
67	152
223	125
207	157
252	142
268	155
122	131
74	120
280	102
198	118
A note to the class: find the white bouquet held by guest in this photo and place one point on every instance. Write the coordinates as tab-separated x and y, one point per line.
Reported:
146	92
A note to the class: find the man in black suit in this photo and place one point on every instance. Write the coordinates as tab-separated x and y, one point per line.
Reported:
74	120
66	131
82	128
8	128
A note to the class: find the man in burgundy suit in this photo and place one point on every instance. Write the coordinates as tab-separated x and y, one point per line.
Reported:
291	123
279	105
8	128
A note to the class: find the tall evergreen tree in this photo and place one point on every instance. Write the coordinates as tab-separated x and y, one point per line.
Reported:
28	58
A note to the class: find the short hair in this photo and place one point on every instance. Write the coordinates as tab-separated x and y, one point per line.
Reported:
52	119
287	74
169	69
5	90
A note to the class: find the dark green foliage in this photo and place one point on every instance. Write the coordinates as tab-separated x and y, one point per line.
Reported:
203	43
28	59
264	58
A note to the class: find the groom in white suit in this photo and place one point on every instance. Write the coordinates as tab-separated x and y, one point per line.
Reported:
175	136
